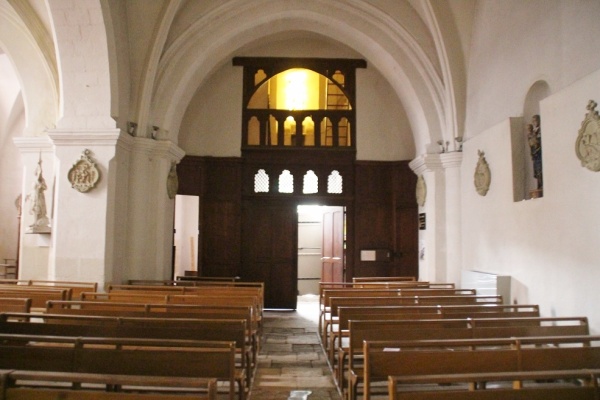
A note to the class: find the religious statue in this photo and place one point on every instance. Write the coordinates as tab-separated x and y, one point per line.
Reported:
41	223
534	139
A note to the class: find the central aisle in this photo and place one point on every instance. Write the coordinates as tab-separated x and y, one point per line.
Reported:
291	356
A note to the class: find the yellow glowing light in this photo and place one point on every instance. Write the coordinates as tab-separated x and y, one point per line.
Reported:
296	90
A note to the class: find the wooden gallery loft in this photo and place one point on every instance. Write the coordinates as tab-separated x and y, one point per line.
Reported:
299	148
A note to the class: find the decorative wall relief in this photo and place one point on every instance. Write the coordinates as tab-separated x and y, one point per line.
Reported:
84	175
172	181
41	223
421	191
587	146
483	176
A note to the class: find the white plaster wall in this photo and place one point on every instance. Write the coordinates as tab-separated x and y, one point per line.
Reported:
516	43
12	123
549	246
212	123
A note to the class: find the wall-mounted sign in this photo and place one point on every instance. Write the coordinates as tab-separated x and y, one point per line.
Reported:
422	221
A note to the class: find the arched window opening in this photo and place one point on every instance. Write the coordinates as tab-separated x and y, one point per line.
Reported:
334	183
286	182
311	183
261	182
298	102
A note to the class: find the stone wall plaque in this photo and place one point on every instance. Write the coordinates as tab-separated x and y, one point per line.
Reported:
483	176
84	175
587	146
172	181
421	191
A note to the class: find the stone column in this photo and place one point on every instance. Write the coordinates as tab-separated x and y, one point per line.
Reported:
439	243
150	230
84	236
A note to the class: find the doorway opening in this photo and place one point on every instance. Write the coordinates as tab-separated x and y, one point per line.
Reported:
185	235
321	246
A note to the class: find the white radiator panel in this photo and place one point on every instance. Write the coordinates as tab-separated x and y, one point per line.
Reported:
487	284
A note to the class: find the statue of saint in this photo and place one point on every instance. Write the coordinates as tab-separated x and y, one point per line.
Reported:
534	139
38	203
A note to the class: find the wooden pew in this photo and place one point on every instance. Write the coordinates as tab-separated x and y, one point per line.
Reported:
75	286
326	286
146	357
218	279
210	289
427	357
329	312
522	386
346	314
230	330
466	328
38	296
48	385
169	311
363	279
129	297
326	294
367	301
9	304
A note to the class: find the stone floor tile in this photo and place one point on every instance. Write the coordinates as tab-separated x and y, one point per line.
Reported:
291	356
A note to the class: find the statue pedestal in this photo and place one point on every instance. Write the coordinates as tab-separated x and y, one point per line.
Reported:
536	193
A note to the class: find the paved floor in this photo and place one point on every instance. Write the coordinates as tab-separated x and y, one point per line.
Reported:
291	357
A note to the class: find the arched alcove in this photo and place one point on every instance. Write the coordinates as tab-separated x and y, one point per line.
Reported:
531	140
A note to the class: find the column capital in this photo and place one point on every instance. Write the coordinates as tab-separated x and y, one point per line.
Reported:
96	137
33	144
158	148
436	162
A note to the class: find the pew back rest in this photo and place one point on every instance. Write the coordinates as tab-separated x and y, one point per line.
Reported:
41	385
148	357
129	297
427	357
425	387
10	304
38	296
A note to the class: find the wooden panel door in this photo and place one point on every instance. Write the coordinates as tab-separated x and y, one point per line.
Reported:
269	250
407	242
333	245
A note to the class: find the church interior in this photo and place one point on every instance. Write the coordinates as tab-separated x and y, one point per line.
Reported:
275	146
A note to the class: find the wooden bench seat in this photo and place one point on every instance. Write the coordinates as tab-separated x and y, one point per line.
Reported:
361	279
11	304
231	330
530	385
426	357
122	356
129	297
227	294
430	330
75	287
39	296
141	310
346	314
48	385
330	318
